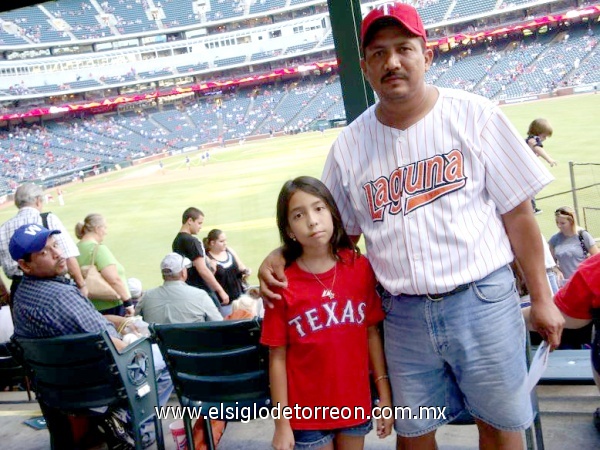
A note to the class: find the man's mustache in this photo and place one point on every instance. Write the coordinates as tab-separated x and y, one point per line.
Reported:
394	75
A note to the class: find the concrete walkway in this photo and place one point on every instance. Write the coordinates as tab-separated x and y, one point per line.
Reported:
566	413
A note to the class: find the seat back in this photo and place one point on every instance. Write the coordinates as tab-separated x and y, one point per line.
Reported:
10	369
596	341
215	362
77	372
71	372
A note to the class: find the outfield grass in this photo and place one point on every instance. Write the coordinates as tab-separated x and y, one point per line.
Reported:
238	188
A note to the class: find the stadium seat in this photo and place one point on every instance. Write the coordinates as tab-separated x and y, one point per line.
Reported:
214	364
11	370
71	374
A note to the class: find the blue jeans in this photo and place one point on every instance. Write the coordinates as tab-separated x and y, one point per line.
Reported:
225	310
313	439
552	280
463	351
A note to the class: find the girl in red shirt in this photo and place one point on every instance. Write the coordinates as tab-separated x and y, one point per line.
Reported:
323	334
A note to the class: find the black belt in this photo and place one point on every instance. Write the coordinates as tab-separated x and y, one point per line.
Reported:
456	290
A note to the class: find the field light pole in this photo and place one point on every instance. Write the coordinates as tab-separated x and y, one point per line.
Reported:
574	191
345	16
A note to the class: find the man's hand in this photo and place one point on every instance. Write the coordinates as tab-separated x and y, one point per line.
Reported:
547	320
271	274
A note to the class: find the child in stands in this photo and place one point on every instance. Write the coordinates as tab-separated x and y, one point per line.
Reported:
323	335
539	131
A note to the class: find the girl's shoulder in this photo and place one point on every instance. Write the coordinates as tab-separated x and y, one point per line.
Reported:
354	260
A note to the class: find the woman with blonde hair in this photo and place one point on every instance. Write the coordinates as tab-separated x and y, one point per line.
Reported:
91	233
570	247
572	244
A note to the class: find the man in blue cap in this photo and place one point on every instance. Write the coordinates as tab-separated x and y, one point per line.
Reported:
48	304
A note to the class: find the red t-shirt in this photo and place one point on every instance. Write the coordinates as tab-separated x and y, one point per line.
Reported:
582	291
327	348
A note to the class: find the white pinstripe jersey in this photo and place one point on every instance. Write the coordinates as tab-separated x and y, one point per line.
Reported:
428	199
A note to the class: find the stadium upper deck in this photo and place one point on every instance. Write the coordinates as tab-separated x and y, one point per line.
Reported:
73	46
164	101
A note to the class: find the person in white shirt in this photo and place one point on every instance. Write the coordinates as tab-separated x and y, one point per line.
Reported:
175	301
29	198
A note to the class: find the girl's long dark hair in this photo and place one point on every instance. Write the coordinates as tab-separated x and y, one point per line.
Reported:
292	250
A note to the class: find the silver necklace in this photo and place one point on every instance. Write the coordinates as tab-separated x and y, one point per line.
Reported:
327	292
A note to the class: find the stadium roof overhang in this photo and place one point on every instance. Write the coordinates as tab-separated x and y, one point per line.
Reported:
7	6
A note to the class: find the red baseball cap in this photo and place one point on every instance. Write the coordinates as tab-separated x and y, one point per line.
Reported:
405	15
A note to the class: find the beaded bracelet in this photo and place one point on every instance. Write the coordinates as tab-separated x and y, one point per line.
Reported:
381	377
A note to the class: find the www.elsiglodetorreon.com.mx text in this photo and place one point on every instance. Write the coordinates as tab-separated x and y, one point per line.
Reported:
246	413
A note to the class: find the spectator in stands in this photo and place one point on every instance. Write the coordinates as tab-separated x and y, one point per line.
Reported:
572	244
186	244
6	322
175	301
91	233
135	289
245	307
29	198
570	247
228	268
47	304
579	302
4	294
539	130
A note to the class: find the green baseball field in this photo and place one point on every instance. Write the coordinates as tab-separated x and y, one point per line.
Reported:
238	187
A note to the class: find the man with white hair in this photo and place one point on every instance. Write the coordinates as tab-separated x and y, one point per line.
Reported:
176	301
29	198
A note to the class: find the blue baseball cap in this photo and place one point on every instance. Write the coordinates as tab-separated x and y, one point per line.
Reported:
27	239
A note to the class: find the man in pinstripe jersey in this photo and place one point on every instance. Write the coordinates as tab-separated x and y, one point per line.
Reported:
438	182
